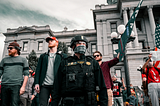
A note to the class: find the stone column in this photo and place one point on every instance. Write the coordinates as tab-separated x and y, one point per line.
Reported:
152	22
105	40
99	36
5	50
125	19
32	45
136	43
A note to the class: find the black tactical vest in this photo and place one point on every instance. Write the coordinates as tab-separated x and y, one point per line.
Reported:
78	77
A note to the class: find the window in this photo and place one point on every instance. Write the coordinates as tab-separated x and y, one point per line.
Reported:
142	45
40	45
113	27
93	47
115	47
138	26
114	1
118	74
25	46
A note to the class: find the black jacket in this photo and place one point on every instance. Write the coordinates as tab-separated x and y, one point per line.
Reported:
58	84
42	65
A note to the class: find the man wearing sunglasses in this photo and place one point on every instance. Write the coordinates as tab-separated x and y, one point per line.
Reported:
151	80
78	77
105	66
46	70
13	68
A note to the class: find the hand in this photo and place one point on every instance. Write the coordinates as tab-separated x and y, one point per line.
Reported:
32	97
22	90
144	79
118	55
31	71
37	89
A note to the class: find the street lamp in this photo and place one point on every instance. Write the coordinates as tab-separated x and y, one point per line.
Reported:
115	39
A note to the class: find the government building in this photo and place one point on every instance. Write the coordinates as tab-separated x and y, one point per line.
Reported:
107	18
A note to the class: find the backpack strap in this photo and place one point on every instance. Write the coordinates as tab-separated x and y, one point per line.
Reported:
157	69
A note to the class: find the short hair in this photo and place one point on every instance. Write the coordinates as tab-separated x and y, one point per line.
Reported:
97	52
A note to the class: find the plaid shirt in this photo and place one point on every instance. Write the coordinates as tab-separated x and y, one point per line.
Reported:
105	66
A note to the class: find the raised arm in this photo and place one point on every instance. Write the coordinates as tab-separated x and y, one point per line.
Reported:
145	65
118	56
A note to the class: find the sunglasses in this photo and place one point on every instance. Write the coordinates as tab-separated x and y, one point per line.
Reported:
10	48
96	56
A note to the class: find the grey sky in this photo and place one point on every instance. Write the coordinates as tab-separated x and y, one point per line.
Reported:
74	14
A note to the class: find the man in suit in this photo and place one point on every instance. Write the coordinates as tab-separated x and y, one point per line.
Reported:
46	70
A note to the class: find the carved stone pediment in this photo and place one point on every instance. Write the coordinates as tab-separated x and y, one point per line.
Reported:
25	30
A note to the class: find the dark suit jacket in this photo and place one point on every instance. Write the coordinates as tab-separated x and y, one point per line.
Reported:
42	65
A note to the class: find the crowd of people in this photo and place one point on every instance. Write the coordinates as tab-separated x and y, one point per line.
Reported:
61	80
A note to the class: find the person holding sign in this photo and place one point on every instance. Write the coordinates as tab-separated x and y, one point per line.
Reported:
153	80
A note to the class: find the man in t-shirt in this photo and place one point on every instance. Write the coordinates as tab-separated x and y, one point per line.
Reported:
13	68
153	80
105	66
116	90
47	69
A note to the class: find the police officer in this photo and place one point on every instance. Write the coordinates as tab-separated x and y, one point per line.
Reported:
77	78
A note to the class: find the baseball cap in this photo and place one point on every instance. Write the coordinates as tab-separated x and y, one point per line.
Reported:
51	38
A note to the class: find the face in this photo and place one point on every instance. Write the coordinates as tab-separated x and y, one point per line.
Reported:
97	56
52	43
80	43
114	78
150	64
11	51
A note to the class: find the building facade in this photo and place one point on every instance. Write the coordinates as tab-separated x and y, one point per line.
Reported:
33	38
106	20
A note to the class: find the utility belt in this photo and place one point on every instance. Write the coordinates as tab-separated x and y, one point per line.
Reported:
89	99
71	101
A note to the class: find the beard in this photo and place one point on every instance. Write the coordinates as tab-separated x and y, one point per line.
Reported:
11	54
99	60
52	45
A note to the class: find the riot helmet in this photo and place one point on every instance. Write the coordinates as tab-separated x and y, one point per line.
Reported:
78	38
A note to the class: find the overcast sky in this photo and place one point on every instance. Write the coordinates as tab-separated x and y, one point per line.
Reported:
74	14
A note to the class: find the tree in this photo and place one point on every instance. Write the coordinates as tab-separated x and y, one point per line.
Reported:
32	60
63	47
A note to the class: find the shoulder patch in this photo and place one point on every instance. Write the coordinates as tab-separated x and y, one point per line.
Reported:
88	63
72	63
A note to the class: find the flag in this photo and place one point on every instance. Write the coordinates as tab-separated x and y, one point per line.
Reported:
129	27
157	36
157	62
